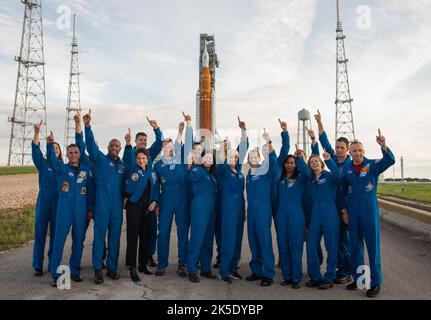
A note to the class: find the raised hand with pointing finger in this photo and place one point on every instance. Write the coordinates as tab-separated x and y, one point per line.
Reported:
153	123
326	155
77	117
87	118
241	124
266	136
128	138
311	133
50	138
283	125
381	140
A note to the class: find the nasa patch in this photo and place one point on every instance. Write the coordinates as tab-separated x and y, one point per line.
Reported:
134	177
369	187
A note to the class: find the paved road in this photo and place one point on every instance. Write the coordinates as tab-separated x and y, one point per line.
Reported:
406	271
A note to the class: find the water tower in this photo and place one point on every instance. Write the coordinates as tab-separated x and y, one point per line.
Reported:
303	140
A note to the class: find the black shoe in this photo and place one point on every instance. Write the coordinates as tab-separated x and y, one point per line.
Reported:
216	265
296	285
151	262
253	277
160	272
54	283
98	276
103	265
194	278
225	280
77	278
113	274
325	285
182	271
352	286
342	279
265	282
208	275
38	272
373	292
286	282
145	270
134	275
312	284
235	276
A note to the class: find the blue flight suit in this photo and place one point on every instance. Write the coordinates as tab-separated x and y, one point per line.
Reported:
291	221
325	220
242	151
259	217
306	203
232	216
360	196
72	211
172	176
129	160
202	219
108	212
46	207
344	260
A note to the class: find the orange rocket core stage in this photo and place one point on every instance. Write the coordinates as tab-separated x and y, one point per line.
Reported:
205	102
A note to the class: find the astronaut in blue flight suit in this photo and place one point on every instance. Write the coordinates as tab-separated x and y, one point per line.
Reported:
108	212
202	218
360	182
72	209
129	159
259	182
46	205
290	218
172	173
232	204
325	220
342	159
142	195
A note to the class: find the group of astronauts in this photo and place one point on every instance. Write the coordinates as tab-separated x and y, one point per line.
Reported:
211	195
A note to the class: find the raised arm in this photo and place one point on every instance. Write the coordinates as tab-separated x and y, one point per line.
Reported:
244	143
53	161
36	153
92	148
388	158
128	151
302	165
314	143
156	147
79	140
323	138
285	142
336	175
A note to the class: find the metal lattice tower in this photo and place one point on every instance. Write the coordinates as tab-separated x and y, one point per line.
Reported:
73	93
343	102
30	99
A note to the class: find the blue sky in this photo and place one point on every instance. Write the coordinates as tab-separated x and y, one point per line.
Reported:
140	58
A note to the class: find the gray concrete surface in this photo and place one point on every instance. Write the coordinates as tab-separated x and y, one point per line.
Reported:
406	271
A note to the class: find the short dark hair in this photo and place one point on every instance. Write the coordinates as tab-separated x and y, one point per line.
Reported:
345	140
144	151
213	168
72	145
196	144
284	172
139	134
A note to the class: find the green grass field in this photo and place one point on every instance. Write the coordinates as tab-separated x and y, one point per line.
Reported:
16	227
420	192
17	170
